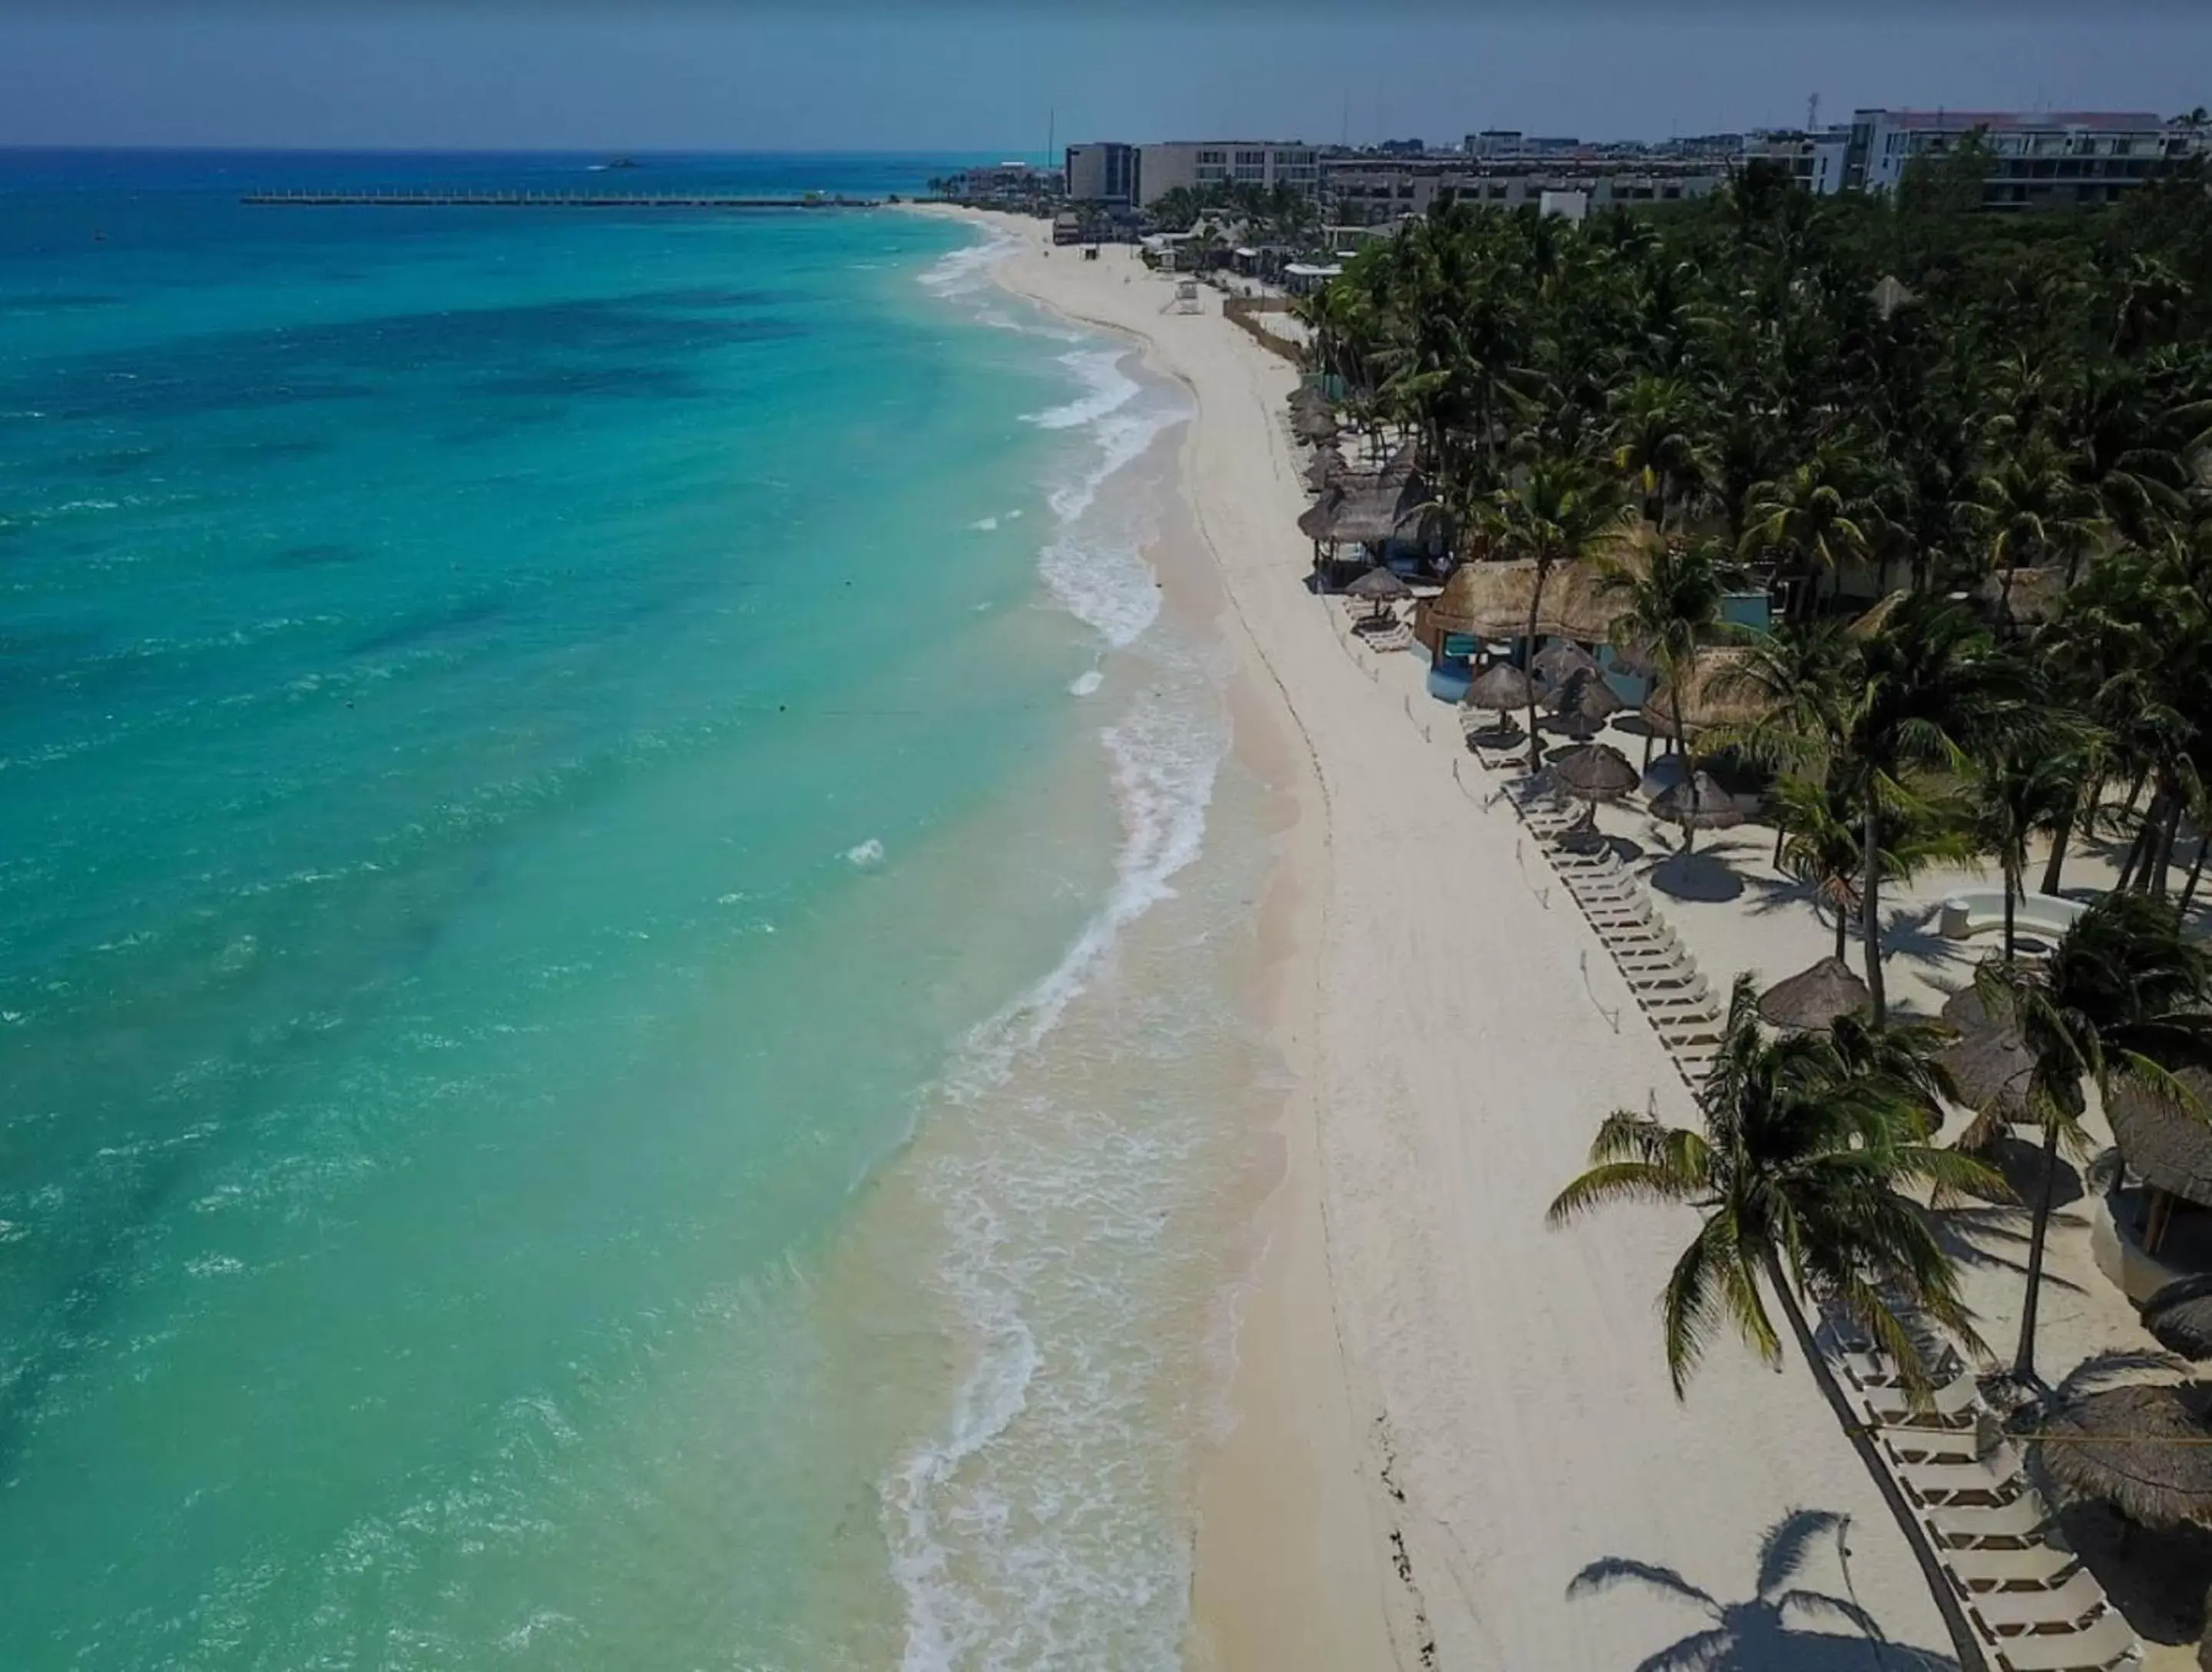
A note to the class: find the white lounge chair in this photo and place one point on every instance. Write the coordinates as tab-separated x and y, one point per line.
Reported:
2021	1521
1993	1479
2013	1612
1932	1445
1953	1404
2105	1643
2035	1567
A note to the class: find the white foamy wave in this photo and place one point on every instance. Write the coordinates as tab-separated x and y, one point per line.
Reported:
866	855
967	269
1122	439
1103	583
1085	684
984	525
1107	389
1164	766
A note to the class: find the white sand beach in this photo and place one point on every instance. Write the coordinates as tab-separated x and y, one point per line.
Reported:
1445	1409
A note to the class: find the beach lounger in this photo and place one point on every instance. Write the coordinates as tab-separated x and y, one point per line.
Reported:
1635	909
1994	1479
2036	1566
1677	1035
1989	1527
1953	1404
1932	1445
2069	1606
1661	978
2106	1642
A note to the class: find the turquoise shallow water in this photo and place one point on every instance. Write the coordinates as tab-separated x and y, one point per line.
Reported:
536	754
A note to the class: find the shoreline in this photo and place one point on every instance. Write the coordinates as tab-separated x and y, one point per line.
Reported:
1444	1411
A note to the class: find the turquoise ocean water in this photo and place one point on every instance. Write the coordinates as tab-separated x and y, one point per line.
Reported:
620	920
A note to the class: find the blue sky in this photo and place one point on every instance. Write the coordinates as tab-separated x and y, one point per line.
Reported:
988	75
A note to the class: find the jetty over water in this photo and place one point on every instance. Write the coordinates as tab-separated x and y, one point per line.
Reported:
432	197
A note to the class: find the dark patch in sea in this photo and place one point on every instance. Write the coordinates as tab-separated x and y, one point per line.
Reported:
322	555
562	382
429	625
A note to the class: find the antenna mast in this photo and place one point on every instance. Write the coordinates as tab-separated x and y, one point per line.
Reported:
1051	134
1812	113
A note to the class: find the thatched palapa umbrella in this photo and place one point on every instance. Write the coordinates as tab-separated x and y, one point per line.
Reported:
2165	1145
2180	1317
1715	694
1585	702
1812	998
1634	661
1562	660
1500	687
1380	587
2143	1449
1595	771
1989	1063
1324	467
1714	808
1313	424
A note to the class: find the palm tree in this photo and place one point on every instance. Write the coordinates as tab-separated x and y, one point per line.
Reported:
1657	449
2012	797
1672	608
1799	1173
1920	691
2121	1000
2031	511
1560	512
1822	846
1815	518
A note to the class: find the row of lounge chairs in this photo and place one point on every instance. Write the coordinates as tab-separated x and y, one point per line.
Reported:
2036	1607
1670	989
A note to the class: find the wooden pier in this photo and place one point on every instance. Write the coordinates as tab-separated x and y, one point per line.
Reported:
435	198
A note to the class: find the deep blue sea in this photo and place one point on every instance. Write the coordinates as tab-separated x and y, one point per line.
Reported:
600	1065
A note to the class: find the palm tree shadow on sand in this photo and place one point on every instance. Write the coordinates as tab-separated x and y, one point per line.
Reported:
1777	1628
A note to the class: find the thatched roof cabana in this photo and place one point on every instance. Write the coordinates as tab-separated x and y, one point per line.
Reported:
1324	467
2166	1146
1313	424
1715	694
1562	660
1812	998
1490	599
1584	700
2180	1317
2144	1449
1596	772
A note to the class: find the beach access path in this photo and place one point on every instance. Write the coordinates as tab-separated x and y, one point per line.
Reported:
1446	1410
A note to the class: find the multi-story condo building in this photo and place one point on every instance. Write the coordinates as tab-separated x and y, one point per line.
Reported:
2051	159
1200	163
1814	160
1102	173
1140	175
1367	190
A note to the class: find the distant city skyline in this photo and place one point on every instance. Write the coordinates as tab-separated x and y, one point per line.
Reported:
993	78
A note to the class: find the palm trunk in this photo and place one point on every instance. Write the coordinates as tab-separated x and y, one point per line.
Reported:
1870	911
2167	838
2196	871
2012	893
1689	768
2060	837
1780	836
2137	848
2023	1361
1528	659
1842	926
1964	1644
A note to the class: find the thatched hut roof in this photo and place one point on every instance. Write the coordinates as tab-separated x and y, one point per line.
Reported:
1634	661
1490	599
2180	1317
2166	1146
1310	395
1595	771
1585	699
1563	658
2144	1449
1812	998
1366	510
1715	694
1501	686
1313	424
